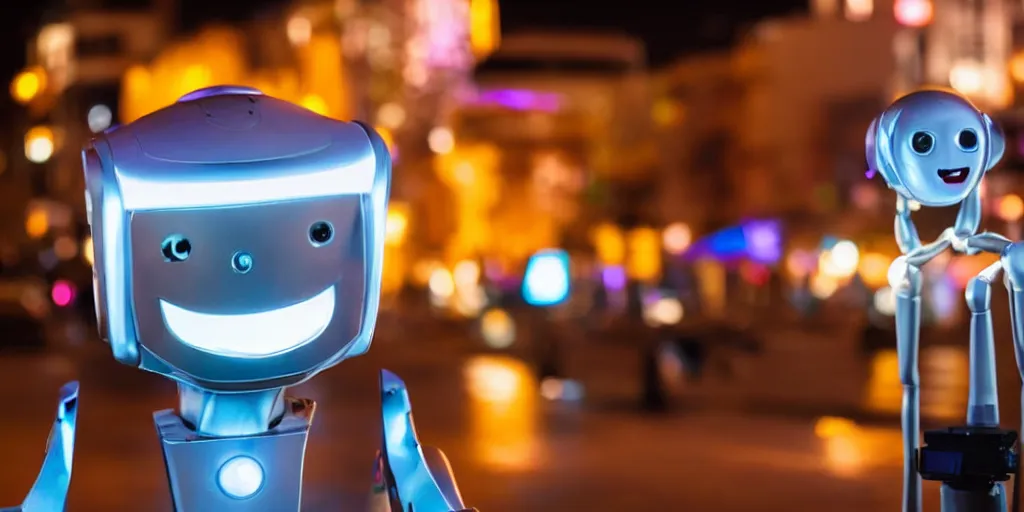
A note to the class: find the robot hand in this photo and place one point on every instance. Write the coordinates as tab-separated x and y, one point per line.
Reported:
409	477
50	491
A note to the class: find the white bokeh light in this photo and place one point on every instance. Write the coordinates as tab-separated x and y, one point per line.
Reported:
100	118
441	140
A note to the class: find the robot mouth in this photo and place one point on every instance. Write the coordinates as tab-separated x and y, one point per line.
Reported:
252	335
954	176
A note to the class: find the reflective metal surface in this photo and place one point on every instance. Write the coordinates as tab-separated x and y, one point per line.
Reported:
225	173
50	491
238	250
415	478
195	463
934	147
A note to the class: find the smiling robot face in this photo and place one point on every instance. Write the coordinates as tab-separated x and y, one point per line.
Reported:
933	147
238	239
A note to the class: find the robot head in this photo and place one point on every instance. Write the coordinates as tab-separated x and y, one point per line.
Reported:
933	147
238	239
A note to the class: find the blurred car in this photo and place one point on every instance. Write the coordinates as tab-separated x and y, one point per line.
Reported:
24	309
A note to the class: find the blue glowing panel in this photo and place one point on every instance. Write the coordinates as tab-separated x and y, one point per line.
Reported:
728	242
546	281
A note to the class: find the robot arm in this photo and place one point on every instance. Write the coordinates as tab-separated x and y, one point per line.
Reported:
409	477
906	233
968	219
50	491
915	253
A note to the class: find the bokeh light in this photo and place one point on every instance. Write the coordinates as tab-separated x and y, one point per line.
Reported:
1010	208
442	285
663	311
28	84
39	144
546	280
99	118
885	301
874	269
841	261
65	248
823	286
913	13
441	140
37	224
676	238
63	293
497	328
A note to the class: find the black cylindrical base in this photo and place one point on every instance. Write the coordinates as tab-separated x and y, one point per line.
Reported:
981	500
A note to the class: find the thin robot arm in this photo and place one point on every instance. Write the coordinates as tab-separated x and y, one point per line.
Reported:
968	219
983	397
906	281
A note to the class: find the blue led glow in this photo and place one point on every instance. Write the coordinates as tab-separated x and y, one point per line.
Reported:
546	281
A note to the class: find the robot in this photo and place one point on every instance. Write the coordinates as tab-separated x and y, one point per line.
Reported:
50	490
238	251
934	147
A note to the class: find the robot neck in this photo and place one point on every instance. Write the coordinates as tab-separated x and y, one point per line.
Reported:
219	414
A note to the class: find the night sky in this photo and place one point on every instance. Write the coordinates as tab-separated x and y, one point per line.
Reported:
669	27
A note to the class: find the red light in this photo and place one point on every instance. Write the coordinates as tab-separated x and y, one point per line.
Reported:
63	293
755	274
913	13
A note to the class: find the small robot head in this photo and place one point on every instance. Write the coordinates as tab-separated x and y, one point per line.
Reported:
933	147
238	239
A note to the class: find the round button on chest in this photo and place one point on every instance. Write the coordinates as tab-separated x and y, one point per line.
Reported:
240	477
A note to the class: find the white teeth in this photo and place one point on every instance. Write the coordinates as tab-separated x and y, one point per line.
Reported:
252	335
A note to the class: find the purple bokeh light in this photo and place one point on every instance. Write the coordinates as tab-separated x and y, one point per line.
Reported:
613	277
518	99
764	240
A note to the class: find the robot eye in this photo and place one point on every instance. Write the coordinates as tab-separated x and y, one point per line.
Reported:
320	233
967	140
922	143
176	248
241	262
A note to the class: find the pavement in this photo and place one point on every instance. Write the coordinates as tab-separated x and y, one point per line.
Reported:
512	450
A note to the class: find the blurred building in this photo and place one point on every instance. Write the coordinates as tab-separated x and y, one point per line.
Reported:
409	62
563	121
775	127
967	46
70	89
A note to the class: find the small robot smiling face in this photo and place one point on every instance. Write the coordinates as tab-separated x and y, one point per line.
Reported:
933	147
239	239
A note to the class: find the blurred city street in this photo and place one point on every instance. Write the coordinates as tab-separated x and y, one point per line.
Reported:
511	449
627	261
